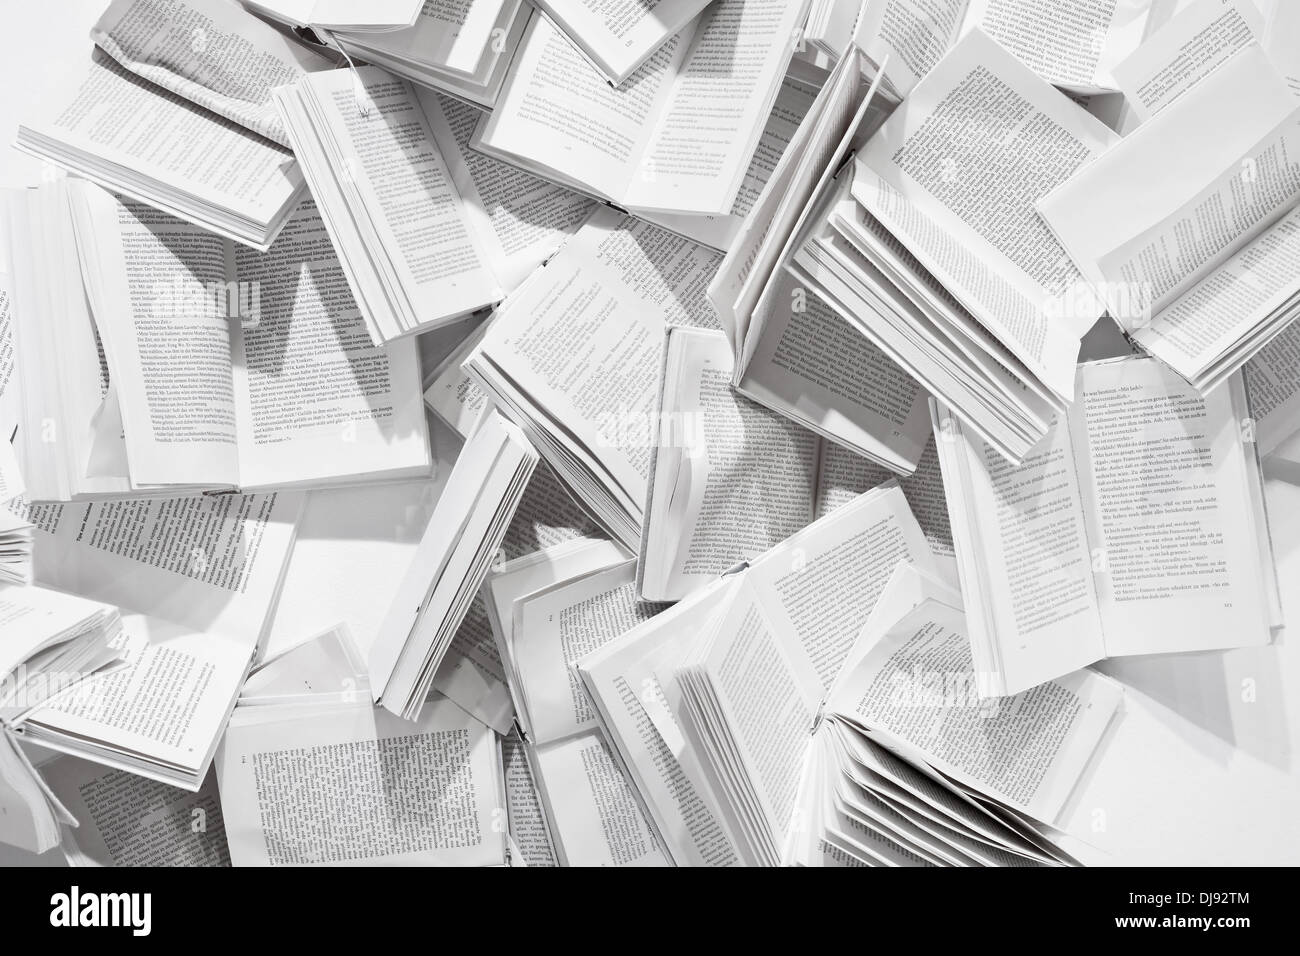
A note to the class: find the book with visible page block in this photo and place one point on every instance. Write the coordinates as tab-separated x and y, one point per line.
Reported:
167	360
160	116
1136	527
464	534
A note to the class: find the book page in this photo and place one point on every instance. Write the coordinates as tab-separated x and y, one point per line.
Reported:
456	36
1181	560
958	169
1210	325
911	35
732	478
766	709
583	340
210	562
529	832
622	680
812	364
553	629
344	785
557	113
1026	560
1074	46
118	118
9	398
619	35
316	400
156	284
1169	204
1027	751
819	585
547	516
36	619
1273	383
842	476
720	101
471	673
522	218
159	716
1184	51
389	165
597	817
128	820
212	54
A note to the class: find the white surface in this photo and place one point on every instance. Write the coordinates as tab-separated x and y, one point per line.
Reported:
1193	773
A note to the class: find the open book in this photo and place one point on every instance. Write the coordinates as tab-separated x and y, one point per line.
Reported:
210	562
731	479
571	356
547	610
770	737
466	529
1191	234
372	16
175	111
463	49
127	820
160	716
331	783
1192	45
810	595
678	137
1136	527
1074	46
619	36
910	767
226	368
15	548
530	833
400	195
933	249
1272	379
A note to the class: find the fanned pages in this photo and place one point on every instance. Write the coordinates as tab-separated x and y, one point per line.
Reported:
464	533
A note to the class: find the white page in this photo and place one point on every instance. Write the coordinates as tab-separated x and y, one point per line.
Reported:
597	819
557	113
1184	51
721	98
316	399
1026	558
522	218
153	283
621	679
36	618
159	138
450	35
911	35
619	35
212	54
1127	218
812	364
212	562
128	820
583	340
818	586
732	478
529	832
547	516
842	476
1182	566
161	714
1273	382
1074	46
472	675
392	168
9	398
555	628
1026	751
960	166
354	784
